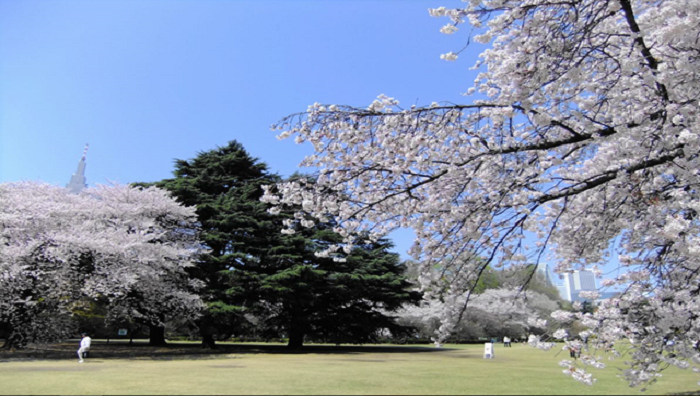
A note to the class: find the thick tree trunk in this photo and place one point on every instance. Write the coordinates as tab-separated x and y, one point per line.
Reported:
208	341
206	331
156	335
296	337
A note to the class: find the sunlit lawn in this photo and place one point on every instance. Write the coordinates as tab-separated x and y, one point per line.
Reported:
328	370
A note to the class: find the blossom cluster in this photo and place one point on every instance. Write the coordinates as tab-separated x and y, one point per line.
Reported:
61	250
586	135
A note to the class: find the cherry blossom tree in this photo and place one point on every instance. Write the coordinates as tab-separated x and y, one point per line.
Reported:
125	246
495	312
156	241
581	133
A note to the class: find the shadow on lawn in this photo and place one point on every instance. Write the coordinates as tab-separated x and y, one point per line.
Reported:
175	350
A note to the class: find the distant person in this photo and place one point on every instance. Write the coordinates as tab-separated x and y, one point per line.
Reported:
506	342
575	349
84	347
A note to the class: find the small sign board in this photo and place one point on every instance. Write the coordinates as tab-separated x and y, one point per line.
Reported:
488	351
122	332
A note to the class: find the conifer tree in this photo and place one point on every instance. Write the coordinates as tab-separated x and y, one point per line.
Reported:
305	296
252	268
224	185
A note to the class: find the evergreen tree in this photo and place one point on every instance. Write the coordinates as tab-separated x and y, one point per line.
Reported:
224	185
306	297
253	268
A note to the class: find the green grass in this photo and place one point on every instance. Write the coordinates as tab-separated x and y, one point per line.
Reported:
519	370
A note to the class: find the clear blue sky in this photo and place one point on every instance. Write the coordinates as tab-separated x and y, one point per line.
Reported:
145	82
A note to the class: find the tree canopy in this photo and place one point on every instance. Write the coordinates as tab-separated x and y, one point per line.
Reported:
254	271
125	247
582	131
502	303
223	186
296	292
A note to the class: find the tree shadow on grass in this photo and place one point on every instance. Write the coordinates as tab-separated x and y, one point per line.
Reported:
193	351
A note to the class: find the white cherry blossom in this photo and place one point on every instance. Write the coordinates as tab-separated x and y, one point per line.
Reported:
124	246
584	134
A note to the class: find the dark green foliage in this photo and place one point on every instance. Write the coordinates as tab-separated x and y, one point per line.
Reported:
225	186
487	280
263	282
304	297
90	318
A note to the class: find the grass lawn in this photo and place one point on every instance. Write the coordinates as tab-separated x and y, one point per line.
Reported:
265	369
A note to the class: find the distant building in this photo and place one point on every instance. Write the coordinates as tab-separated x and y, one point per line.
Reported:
543	273
562	290
576	282
77	182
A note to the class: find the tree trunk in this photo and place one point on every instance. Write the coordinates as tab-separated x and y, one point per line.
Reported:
7	344
296	337
208	341
14	341
156	335
206	331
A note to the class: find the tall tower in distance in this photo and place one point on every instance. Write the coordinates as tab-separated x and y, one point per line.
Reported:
77	181
543	272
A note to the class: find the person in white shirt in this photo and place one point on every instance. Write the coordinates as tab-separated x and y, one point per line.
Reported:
84	346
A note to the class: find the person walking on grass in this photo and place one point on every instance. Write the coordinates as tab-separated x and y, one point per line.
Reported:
506	342
84	347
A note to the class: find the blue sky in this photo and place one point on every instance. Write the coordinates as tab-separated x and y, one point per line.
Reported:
145	82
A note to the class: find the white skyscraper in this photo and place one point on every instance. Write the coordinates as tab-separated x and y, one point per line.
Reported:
77	181
576	282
